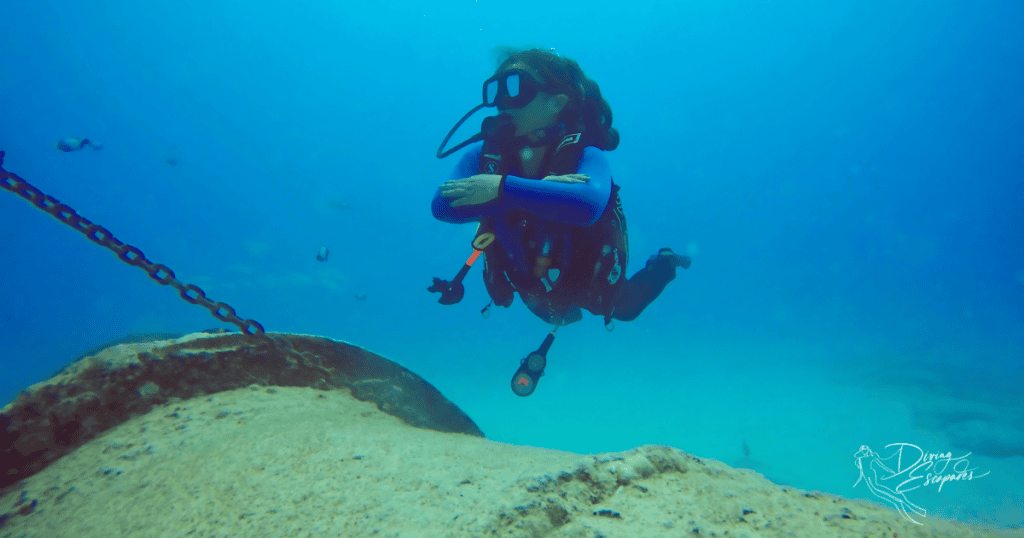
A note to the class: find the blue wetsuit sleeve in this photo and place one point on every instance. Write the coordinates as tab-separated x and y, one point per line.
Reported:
579	204
442	208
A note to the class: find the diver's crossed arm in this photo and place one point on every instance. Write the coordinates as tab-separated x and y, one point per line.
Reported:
442	207
571	199
577	199
568	178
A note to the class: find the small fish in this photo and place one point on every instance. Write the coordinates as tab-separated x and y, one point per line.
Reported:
322	255
74	144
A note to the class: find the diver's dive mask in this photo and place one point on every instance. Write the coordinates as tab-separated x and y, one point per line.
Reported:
512	88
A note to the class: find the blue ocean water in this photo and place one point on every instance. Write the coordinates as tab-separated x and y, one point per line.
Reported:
848	177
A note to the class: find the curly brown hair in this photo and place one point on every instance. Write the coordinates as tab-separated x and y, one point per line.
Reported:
586	109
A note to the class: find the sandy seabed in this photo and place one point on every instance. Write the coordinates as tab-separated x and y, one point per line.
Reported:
290	461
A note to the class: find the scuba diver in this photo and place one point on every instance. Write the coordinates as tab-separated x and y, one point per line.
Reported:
551	223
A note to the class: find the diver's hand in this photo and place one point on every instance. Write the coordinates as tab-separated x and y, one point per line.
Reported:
569	178
473	190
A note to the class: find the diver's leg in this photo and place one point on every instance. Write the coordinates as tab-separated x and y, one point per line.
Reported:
647	284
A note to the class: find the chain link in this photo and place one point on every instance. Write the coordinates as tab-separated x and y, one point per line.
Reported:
127	253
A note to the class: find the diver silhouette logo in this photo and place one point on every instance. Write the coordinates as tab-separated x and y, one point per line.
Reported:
927	468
